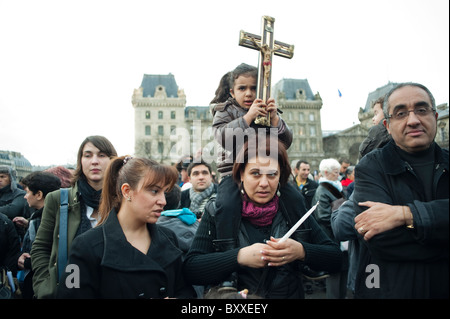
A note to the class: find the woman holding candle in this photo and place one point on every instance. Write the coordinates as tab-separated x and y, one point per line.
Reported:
269	208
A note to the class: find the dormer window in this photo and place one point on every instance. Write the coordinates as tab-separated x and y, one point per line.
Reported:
300	94
160	92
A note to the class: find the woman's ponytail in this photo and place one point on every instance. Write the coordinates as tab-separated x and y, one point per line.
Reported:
110	198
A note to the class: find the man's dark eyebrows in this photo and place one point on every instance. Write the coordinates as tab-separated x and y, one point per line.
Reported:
422	103
399	107
403	106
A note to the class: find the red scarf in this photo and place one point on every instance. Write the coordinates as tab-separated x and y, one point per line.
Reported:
259	215
346	182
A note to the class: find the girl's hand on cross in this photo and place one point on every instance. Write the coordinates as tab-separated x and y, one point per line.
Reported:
272	109
258	108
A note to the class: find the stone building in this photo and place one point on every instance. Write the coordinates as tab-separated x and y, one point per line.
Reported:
365	114
17	161
301	111
442	125
345	143
166	129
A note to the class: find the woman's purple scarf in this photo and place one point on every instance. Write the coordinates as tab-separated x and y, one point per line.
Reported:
259	215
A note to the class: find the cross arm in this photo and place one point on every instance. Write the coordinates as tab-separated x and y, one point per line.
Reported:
282	49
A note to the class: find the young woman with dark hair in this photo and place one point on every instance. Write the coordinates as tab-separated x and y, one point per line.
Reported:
94	155
127	255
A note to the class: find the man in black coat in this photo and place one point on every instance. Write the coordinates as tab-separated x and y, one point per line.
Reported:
401	202
12	201
9	244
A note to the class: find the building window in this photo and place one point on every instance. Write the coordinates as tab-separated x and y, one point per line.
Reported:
148	147
193	130
172	129
160	130
301	131
301	117
302	146
312	131
313	146
443	134
160	115
172	115
147	115
311	117
160	147
148	130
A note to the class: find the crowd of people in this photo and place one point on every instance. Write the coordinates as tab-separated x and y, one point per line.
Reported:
130	227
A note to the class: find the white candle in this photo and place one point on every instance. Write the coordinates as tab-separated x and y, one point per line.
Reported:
297	225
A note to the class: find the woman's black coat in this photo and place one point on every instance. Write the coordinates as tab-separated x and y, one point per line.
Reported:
205	266
110	267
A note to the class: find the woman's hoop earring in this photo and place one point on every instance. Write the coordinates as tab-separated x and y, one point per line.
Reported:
278	190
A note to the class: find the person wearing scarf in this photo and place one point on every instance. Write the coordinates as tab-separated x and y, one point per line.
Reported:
90	200
94	155
266	207
199	199
127	255
195	198
329	190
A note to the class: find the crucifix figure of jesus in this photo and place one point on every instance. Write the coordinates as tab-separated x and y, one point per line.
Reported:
267	47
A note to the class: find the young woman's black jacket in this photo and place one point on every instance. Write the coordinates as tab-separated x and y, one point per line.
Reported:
110	267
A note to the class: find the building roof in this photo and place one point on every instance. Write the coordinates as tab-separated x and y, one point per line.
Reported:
442	110
290	88
151	81
197	112
16	157
373	96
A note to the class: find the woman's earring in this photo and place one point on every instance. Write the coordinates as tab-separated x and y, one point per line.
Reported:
242	188
278	190
129	199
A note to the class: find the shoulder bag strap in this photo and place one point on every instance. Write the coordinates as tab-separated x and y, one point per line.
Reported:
62	245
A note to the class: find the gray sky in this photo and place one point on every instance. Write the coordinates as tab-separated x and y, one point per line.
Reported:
68	68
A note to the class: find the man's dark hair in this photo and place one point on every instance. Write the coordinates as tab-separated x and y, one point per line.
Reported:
420	86
42	181
196	163
297	166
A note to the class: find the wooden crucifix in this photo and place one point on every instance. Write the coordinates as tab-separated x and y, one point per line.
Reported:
267	47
